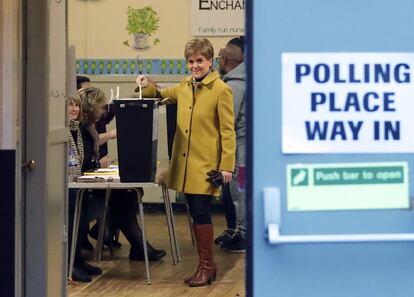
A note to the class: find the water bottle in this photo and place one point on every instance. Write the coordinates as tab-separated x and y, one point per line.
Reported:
73	164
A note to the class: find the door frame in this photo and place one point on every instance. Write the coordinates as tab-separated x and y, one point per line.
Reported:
249	154
45	138
10	147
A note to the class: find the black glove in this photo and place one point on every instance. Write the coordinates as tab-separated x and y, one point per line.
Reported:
215	177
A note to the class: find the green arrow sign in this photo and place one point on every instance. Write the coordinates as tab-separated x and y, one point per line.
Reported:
347	186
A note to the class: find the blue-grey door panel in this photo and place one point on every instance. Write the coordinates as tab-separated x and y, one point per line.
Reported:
380	269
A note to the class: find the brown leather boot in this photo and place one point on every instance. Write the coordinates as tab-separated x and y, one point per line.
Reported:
187	279
207	269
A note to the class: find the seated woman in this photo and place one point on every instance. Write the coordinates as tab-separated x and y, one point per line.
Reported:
123	205
92	207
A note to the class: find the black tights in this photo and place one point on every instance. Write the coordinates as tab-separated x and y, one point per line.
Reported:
92	207
200	208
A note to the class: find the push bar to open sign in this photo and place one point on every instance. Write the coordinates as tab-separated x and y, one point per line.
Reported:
272	216
275	237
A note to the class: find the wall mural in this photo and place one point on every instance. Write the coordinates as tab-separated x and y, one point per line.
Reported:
142	23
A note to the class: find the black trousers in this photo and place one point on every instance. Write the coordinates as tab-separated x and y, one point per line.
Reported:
200	208
92	208
228	205
122	209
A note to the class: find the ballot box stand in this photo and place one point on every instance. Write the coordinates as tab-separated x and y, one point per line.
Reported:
137	138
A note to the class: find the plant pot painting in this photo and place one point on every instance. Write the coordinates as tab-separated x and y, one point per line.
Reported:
141	41
142	23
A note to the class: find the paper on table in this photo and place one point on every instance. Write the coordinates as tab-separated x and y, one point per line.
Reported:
111	170
96	173
108	174
99	178
106	170
91	179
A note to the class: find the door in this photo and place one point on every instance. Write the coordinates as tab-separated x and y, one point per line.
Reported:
316	71
45	138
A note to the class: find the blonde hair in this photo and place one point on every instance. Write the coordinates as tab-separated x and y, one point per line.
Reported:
93	101
201	46
77	101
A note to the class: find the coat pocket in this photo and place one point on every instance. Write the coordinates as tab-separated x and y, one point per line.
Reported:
214	150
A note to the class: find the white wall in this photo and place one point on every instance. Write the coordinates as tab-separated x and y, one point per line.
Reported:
10	73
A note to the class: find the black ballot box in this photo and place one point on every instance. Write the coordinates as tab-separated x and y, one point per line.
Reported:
137	139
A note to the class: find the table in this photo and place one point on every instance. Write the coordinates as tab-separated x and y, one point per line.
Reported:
108	185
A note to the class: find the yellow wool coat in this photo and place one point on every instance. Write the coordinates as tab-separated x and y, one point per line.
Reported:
205	138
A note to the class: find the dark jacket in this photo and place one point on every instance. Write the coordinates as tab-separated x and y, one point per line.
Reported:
89	160
100	126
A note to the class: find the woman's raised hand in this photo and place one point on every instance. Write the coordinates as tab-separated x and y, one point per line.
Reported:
112	134
142	80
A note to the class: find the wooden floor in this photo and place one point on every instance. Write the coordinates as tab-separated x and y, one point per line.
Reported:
122	278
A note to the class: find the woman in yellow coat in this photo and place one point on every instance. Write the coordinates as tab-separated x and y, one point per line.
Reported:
204	141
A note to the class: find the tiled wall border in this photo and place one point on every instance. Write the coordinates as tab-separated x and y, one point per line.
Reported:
131	66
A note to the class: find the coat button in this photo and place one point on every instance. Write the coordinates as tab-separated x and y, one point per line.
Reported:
186	131
190	107
184	155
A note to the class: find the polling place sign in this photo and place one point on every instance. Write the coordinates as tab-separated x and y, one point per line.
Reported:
345	186
347	102
217	17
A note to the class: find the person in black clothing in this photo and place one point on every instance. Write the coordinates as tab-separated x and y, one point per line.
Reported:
82	82
103	137
233	73
80	142
123	205
237	41
230	233
108	114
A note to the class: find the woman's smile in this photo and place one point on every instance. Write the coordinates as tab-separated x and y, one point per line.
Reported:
199	65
